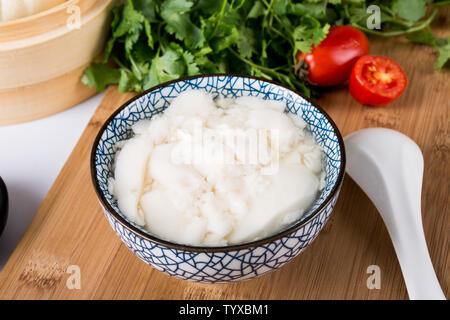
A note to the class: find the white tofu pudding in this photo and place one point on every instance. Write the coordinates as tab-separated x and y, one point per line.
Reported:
217	172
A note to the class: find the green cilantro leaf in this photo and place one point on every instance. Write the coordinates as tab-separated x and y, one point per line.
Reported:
209	7
442	45
246	42
164	68
175	14
412	10
229	35
306	37
99	76
147	7
444	55
280	7
191	66
257	10
130	23
128	82
423	37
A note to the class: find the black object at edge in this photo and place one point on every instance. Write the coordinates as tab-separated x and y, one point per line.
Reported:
3	205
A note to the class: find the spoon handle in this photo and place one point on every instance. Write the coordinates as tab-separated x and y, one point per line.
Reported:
415	262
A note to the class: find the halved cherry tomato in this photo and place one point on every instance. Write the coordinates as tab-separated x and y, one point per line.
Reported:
377	80
331	62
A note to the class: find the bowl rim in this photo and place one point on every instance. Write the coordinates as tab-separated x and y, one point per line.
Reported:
215	249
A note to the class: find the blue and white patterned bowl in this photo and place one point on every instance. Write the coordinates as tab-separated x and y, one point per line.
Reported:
230	263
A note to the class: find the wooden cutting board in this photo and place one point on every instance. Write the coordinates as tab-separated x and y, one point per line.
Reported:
70	228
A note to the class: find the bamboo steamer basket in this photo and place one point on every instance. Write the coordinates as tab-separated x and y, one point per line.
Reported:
42	58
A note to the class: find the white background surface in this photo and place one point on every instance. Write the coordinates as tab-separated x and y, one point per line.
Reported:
31	156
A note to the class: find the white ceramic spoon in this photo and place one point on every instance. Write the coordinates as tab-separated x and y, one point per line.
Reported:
388	166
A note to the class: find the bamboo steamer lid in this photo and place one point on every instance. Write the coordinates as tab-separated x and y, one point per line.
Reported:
42	58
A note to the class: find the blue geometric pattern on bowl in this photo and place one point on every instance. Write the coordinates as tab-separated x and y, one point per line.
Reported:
227	263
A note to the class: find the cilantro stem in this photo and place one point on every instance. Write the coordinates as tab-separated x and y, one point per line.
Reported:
119	63
252	64
397	21
269	9
388	10
239	6
364	17
158	35
265	70
221	13
283	35
442	3
346	10
418	27
130	2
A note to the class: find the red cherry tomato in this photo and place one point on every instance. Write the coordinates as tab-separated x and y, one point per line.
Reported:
377	80
331	62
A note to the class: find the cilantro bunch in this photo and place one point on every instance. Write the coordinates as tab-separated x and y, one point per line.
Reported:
154	41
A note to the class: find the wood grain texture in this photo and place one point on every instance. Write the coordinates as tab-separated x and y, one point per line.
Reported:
69	227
